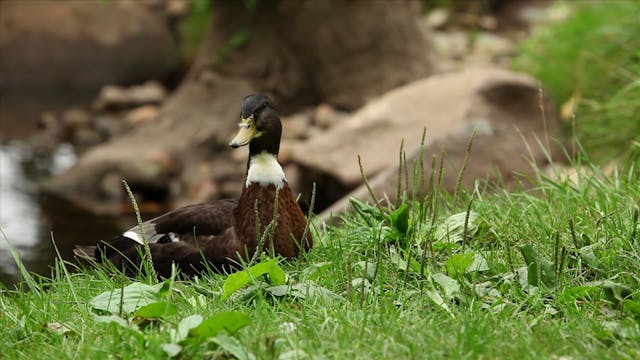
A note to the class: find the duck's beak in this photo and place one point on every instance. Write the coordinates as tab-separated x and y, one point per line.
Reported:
247	131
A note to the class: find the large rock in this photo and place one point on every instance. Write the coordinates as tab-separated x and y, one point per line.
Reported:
502	107
81	45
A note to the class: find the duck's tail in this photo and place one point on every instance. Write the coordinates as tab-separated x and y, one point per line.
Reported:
85	252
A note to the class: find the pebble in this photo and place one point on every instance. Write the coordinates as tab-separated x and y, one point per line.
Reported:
86	138
118	97
108	126
76	118
142	115
326	116
296	126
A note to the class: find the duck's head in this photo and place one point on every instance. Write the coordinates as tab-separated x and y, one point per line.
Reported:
259	126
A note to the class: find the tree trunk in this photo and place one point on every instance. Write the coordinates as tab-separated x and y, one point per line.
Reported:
299	53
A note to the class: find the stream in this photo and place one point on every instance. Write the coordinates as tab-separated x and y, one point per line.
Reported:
28	221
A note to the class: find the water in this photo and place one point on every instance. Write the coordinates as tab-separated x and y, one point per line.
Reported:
21	218
32	222
27	219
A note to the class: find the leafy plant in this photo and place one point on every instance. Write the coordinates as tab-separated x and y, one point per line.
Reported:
589	65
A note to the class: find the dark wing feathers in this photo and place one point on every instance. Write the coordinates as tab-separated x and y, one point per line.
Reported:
207	252
204	219
188	224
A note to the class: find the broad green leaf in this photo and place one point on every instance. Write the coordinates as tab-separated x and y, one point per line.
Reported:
479	264
135	296
522	275
240	279
111	318
400	219
400	260
368	268
487	291
623	330
616	292
313	271
280	290
184	326
233	347
538	267
449	286
19	330
171	349
631	306
452	229
361	285
303	290
437	299
230	321
588	256
584	292
370	214
157	310
277	276
458	264
294	354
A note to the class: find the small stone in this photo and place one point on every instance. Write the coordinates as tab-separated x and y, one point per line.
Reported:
109	126
326	116
151	92
177	8
437	18
208	78
490	44
296	126
76	118
488	22
111	187
110	96
450	44
142	114
164	158
86	138
48	120
117	97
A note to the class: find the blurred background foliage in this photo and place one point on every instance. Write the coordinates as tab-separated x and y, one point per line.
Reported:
590	65
193	27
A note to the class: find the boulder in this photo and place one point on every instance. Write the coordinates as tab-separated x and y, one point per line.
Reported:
49	46
503	108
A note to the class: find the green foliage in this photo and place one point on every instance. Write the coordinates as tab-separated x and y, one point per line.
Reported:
128	299
464	279
593	58
193	27
242	278
229	321
237	40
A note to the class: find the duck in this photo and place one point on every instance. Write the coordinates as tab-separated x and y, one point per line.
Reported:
220	236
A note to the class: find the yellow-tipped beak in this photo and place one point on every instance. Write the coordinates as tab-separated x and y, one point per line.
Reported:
247	131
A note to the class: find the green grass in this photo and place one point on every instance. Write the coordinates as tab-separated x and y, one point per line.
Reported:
593	57
552	272
411	282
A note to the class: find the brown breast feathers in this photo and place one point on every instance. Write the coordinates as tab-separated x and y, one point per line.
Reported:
290	233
